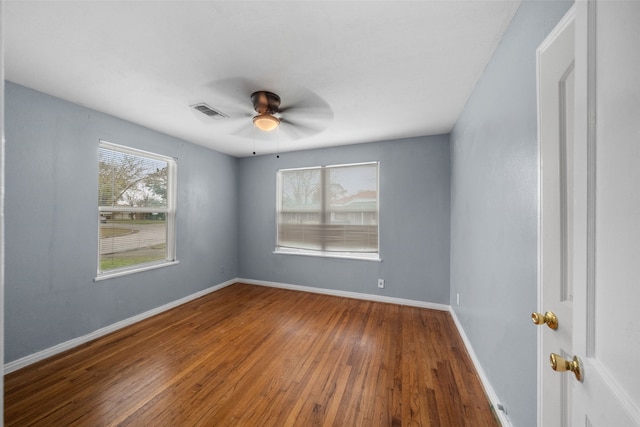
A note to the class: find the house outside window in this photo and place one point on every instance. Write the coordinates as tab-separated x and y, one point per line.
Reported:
136	210
329	211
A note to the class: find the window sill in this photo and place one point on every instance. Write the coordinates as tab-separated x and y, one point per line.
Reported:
120	273
341	255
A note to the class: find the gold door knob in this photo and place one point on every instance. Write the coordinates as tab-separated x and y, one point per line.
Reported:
549	318
560	364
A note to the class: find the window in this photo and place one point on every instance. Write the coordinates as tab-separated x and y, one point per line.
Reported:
136	210
329	211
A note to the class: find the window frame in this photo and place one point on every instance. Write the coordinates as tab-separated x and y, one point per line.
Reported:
169	211
325	211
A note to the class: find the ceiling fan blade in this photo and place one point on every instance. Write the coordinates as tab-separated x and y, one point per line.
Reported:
296	130
249	131
245	131
303	99
233	126
307	109
310	117
232	96
306	121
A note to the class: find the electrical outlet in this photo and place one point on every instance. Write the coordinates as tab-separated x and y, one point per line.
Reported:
221	270
457	299
381	283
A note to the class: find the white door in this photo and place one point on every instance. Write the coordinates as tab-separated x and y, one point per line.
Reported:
556	81
608	298
601	239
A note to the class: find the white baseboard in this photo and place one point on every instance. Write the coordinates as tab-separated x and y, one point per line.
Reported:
347	294
491	394
59	348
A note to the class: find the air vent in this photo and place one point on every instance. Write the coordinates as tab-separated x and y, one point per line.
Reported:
205	109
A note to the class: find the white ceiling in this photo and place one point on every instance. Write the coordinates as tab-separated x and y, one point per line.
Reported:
357	71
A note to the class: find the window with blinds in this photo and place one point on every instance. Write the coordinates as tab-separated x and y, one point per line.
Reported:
136	209
328	210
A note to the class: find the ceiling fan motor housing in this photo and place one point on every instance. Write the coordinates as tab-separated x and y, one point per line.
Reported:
265	102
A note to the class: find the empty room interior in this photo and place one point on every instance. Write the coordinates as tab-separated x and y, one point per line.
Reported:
272	213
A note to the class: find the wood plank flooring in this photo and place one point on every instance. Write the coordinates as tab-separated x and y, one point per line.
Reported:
256	356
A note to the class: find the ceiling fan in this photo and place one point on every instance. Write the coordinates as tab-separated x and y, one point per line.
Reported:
300	113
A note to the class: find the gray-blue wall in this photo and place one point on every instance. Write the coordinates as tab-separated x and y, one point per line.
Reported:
414	221
52	223
494	211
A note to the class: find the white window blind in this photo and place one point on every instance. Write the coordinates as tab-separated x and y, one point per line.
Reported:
136	208
329	209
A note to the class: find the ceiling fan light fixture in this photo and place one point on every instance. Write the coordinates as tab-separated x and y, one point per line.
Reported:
266	122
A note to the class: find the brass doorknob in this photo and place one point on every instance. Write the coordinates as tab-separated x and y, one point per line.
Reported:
549	318
560	364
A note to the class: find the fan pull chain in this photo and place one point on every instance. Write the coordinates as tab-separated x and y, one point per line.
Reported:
278	142
254	139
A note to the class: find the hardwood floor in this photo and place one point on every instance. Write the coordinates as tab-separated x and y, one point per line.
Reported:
256	356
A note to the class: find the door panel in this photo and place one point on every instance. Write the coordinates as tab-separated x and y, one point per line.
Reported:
607	294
